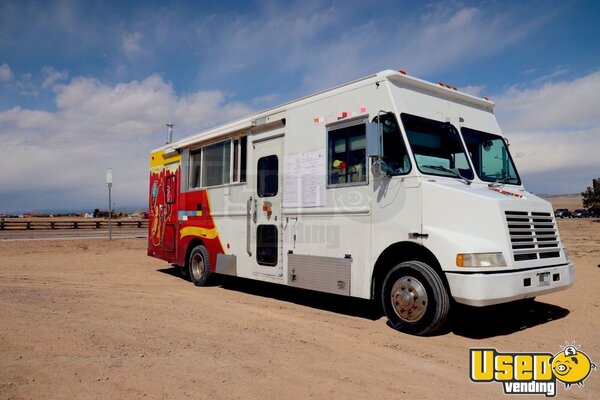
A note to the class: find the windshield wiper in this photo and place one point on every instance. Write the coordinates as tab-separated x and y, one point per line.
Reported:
505	179
500	182
454	173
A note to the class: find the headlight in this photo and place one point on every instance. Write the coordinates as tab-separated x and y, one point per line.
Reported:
480	260
566	254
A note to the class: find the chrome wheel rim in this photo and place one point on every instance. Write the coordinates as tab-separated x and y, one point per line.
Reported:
409	299
197	266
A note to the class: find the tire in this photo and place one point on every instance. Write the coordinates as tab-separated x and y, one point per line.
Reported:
415	299
199	265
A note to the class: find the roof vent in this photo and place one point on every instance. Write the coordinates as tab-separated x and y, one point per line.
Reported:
170	126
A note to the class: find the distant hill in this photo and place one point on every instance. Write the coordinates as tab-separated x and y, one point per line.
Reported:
74	210
549	196
571	201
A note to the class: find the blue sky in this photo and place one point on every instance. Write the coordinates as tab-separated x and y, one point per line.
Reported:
89	85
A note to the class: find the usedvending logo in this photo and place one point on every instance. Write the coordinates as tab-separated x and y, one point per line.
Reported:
531	373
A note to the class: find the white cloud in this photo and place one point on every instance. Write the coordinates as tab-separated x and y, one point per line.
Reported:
556	129
27	85
559	71
97	126
27	119
6	74
450	37
331	45
561	105
51	76
475	90
131	43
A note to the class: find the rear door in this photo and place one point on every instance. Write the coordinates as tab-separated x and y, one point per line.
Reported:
162	213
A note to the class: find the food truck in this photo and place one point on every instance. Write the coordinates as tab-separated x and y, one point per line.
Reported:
388	188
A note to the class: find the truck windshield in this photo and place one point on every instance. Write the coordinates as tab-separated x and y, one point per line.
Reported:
490	157
437	147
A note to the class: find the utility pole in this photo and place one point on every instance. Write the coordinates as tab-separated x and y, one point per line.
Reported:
109	182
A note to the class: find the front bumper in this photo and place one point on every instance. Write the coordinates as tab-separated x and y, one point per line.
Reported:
479	289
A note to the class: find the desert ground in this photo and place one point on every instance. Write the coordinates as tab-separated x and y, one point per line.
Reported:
98	319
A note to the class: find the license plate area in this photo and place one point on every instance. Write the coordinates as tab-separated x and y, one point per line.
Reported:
543	279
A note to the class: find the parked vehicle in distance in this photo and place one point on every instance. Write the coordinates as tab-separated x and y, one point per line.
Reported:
562	213
580	213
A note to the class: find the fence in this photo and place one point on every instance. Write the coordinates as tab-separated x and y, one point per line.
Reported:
42	224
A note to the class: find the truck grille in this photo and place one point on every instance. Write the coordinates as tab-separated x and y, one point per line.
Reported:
532	235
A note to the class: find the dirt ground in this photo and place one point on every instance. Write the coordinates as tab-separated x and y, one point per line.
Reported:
94	319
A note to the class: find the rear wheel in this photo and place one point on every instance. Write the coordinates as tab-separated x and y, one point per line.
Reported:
415	299
198	265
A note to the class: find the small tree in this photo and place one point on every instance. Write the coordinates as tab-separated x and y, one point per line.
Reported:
591	196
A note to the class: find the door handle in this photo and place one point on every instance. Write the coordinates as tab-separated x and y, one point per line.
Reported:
249	226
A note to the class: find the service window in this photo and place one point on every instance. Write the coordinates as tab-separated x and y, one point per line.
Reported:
267	176
347	160
239	160
195	161
236	160
243	158
216	164
266	245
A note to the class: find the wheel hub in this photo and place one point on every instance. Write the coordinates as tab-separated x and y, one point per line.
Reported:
409	299
197	266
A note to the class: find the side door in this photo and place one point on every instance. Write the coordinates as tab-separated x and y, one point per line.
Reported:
266	228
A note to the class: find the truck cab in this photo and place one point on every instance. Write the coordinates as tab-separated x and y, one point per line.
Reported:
489	239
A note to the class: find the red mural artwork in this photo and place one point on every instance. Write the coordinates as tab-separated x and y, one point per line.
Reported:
179	221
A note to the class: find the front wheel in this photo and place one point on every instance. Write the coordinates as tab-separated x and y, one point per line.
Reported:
415	299
198	265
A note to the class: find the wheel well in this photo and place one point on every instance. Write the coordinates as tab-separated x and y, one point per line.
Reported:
400	252
195	242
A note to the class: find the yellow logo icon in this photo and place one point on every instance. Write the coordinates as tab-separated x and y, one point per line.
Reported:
572	366
531	373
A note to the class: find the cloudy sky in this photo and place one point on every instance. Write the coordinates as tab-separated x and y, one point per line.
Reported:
89	85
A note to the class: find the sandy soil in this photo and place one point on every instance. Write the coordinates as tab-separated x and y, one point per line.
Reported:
98	319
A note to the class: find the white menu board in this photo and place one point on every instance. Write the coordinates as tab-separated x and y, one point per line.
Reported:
304	179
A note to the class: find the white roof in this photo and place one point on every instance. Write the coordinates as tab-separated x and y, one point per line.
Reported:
395	77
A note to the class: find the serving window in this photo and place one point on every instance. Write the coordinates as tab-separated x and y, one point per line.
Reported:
347	157
218	164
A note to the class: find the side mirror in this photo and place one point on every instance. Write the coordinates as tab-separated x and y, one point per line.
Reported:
374	148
